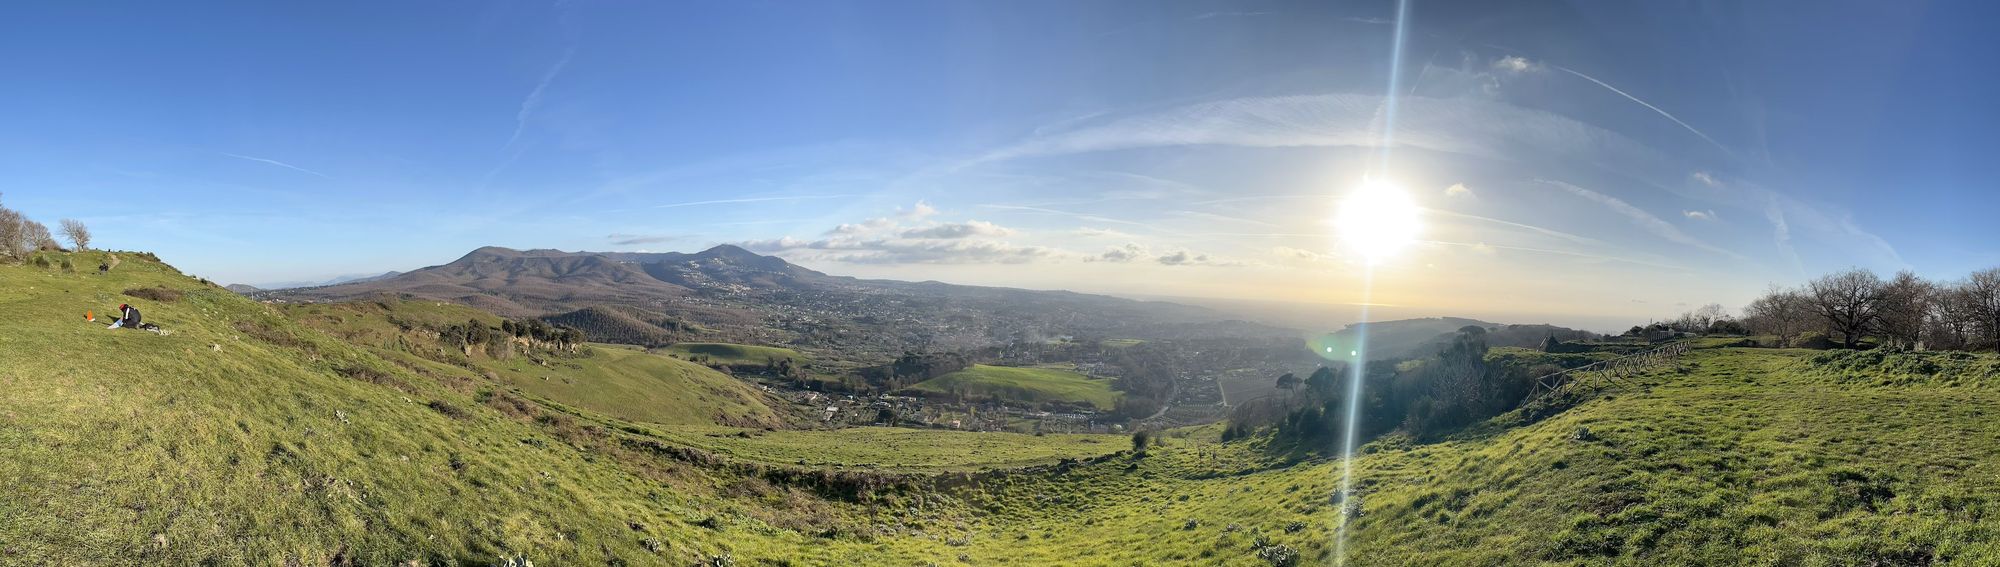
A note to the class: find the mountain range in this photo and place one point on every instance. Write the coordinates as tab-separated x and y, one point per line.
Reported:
734	294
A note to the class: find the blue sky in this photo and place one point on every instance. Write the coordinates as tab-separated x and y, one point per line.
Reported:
1578	163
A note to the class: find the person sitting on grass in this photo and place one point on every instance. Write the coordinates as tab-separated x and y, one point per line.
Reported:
128	318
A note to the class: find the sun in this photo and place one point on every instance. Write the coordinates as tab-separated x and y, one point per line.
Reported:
1377	220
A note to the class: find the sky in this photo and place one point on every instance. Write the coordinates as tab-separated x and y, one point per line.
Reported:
1583	163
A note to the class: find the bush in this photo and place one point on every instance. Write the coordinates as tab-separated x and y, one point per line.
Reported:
160	294
1279	555
1814	340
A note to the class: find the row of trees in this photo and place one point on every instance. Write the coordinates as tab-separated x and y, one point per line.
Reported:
20	236
1904	311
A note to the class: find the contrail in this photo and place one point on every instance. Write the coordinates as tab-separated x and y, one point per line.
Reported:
528	106
277	163
1628	96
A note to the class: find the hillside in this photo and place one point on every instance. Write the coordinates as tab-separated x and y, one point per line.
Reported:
242	437
624	326
727	353
1022	385
616	381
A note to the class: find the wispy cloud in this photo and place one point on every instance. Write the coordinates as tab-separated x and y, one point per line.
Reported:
1459	191
635	239
1640	217
747	200
1708	215
277	163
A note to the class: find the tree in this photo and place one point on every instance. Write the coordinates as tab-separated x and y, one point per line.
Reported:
78	235
1781	311
1289	382
1952	317
1982	290
1905	303
1849	303
37	236
1141	439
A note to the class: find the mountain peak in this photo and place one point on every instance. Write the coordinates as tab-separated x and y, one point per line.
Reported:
729	251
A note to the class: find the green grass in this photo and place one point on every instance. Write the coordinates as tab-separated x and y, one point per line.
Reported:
730	353
628	383
895	448
613	380
1027	385
1122	343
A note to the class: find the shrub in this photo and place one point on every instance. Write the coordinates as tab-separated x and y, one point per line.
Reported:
160	294
448	410
1279	555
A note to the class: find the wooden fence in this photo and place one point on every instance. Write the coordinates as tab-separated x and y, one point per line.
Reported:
1616	372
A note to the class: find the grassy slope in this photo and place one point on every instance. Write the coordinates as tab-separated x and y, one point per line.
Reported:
1746	459
127	447
1023	385
628	383
729	353
894	448
619	381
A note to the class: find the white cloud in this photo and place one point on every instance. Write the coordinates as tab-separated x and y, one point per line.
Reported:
1704	178
1186	258
1126	253
1092	232
1516	64
904	251
917	211
1458	191
1708	215
957	230
1301	254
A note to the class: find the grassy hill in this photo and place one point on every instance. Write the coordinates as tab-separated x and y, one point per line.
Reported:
728	353
1018	384
616	381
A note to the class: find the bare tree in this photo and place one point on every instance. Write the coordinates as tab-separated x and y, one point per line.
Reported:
1905	304
78	235
13	238
1982	290
37	236
1849	303
1782	312
1951	317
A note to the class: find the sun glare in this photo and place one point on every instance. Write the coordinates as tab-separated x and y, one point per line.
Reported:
1377	220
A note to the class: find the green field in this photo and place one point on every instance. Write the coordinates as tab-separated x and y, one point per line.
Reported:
895	448
628	383
730	353
1026	385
